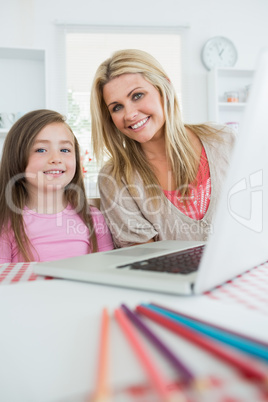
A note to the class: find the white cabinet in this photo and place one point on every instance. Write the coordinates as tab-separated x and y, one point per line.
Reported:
22	83
220	82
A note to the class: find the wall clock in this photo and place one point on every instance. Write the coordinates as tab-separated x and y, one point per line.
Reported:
219	52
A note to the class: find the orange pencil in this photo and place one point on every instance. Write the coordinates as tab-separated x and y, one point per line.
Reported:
102	392
156	377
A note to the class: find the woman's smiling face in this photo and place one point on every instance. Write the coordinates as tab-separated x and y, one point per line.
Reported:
136	107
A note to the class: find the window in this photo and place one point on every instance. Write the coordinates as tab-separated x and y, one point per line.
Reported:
86	48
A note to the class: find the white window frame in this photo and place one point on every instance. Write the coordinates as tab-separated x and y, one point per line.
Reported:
65	28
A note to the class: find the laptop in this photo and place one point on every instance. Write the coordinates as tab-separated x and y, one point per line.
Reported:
240	231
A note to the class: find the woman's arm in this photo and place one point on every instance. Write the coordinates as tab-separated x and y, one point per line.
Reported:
123	216
149	241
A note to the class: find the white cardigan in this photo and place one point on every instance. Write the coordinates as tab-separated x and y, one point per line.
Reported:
134	220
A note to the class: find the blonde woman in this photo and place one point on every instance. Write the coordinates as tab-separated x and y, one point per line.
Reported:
163	178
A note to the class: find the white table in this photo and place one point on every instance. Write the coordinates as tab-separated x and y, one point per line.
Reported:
50	334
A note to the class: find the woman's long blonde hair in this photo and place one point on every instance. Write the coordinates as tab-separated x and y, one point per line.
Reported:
126	155
14	161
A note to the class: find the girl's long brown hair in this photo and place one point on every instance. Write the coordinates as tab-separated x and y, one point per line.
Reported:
13	191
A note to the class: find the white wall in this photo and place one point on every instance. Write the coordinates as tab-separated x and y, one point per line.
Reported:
30	23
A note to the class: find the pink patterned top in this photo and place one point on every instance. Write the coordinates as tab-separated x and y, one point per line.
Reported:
196	204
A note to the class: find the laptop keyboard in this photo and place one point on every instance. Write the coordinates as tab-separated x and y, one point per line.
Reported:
180	262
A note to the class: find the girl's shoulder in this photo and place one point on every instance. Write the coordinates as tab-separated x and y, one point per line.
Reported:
7	232
96	214
94	210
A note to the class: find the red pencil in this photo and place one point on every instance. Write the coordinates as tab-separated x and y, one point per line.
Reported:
157	379
244	365
238	334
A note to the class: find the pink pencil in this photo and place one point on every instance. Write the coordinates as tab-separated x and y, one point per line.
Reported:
157	378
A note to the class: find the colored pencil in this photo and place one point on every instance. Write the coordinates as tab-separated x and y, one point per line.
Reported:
102	392
156	377
251	339
245	365
160	345
242	343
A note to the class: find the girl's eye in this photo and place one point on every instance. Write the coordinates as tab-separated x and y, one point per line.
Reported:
40	150
116	108
65	150
137	96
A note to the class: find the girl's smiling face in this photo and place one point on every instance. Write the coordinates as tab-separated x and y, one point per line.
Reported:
51	164
135	106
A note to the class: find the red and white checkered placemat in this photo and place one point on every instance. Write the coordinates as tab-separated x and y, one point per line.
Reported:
249	289
20	272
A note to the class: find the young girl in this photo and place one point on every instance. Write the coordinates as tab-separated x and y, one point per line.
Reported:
44	214
163	177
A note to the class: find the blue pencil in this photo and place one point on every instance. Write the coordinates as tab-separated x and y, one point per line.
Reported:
241	343
229	331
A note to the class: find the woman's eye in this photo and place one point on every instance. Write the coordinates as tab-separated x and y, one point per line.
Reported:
116	108
137	96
